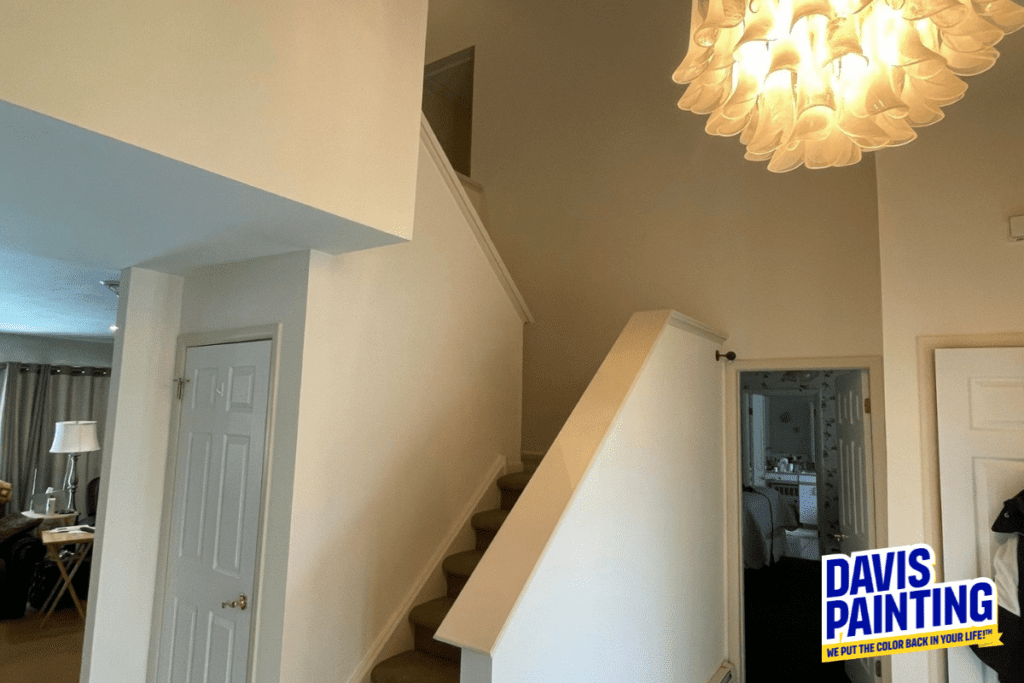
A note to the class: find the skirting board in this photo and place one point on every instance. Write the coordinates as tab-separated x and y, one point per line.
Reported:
408	602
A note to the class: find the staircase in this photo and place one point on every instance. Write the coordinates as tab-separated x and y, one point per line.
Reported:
433	661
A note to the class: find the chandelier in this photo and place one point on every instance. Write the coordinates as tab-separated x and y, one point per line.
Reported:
816	82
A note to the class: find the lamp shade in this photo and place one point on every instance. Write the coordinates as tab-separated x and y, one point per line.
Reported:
75	437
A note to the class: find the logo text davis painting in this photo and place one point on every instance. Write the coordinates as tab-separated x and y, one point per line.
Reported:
884	602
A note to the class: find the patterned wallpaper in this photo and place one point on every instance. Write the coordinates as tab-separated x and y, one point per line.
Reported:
828	464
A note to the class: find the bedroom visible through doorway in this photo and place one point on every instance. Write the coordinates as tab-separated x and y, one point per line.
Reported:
806	471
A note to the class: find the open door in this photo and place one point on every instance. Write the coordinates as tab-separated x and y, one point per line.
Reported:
856	500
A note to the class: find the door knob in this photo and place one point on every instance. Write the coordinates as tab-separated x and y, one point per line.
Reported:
240	603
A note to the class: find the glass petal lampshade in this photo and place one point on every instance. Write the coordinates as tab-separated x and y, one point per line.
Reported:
816	82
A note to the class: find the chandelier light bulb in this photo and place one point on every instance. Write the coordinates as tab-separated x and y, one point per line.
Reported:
816	82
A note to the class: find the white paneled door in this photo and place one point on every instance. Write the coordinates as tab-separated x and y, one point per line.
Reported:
980	401
856	485
218	480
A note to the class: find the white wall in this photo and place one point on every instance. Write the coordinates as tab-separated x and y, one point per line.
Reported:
593	576
617	595
411	387
605	199
947	268
121	586
317	101
264	291
27	348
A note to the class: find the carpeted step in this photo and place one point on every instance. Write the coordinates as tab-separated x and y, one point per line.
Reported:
426	619
531	461
486	525
457	569
512	486
414	666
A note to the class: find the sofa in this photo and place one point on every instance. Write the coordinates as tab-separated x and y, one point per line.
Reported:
20	553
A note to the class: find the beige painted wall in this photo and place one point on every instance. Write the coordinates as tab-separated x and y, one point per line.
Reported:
947	268
28	348
121	585
411	388
260	292
605	199
317	102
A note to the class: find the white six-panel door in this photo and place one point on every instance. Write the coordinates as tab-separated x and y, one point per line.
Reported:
215	518
856	485
980	402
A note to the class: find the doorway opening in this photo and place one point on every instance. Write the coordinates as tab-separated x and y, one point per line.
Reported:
805	461
448	105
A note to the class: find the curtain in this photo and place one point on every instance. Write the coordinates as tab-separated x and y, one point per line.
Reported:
35	398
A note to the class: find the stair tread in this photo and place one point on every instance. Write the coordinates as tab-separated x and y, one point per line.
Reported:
516	481
462	564
414	666
489	520
431	614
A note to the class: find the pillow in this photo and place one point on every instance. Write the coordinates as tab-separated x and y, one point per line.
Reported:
16	523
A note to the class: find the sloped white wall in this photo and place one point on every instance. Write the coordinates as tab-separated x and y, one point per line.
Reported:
411	387
631	585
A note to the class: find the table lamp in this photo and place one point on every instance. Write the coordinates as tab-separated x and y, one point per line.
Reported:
74	438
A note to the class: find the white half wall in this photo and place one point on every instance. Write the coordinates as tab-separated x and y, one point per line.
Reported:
121	587
28	348
411	388
631	585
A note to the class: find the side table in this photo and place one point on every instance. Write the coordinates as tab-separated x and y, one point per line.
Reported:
51	521
54	541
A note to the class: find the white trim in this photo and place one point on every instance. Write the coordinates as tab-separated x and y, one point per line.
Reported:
401	613
191	340
454	183
677	319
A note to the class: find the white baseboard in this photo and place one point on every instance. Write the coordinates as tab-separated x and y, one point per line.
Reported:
401	613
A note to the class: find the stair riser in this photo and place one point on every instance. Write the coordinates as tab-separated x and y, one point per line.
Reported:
455	584
424	641
509	498
484	538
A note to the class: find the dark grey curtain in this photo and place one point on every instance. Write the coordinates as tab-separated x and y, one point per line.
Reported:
35	398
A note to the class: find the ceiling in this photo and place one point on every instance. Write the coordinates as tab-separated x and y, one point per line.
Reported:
76	207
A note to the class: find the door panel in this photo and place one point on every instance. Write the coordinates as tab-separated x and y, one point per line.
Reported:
215	516
980	410
856	486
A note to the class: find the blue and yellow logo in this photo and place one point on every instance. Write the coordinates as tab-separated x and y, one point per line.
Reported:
883	602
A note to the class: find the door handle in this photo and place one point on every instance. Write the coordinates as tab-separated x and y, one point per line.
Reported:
240	603
839	538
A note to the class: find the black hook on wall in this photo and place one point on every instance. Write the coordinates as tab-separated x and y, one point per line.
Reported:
729	355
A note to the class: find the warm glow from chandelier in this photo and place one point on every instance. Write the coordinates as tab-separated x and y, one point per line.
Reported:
815	82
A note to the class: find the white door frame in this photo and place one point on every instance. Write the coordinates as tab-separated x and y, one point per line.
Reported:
734	479
186	341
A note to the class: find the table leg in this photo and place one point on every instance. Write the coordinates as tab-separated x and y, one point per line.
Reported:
75	562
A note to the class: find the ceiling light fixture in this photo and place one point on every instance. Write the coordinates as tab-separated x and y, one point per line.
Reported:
815	82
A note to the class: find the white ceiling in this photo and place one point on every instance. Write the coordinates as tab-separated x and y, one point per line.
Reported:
77	207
